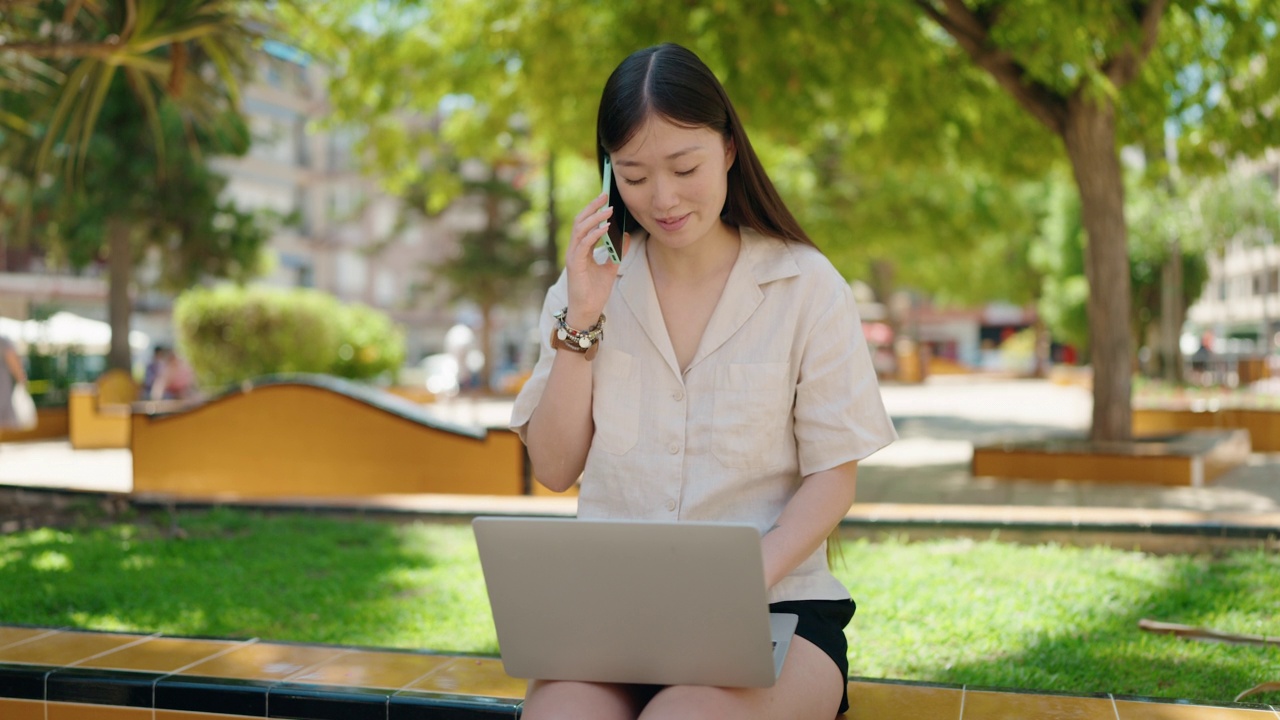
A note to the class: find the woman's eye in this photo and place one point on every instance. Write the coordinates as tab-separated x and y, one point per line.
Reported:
690	171
629	181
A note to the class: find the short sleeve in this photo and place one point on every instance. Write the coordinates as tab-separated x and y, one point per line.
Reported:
529	396
839	415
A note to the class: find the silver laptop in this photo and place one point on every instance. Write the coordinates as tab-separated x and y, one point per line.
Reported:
632	602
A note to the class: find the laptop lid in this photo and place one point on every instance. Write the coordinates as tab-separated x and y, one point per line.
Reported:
631	601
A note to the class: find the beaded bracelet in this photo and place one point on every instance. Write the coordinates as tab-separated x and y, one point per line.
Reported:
586	342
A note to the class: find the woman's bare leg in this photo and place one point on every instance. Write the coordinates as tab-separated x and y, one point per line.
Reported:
810	689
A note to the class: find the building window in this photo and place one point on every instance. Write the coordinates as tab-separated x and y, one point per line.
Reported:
302	149
302	209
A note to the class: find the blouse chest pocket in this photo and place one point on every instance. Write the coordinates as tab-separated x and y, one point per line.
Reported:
615	401
752	405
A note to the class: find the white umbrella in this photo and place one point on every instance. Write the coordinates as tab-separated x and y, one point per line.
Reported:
64	329
12	329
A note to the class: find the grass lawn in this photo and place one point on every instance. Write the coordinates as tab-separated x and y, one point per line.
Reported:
954	611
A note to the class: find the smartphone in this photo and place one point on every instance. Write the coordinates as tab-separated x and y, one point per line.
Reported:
615	253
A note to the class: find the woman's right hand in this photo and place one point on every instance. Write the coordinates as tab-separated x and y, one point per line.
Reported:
590	282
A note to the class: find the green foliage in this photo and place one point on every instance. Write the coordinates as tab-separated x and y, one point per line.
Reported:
1236	206
822	108
493	264
1157	219
1059	257
65	56
1203	215
112	91
172	201
859	108
231	334
370	345
52	373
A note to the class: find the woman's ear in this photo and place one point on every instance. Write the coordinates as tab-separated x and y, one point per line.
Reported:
730	153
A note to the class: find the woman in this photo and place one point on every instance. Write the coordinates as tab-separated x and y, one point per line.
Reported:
11	375
733	383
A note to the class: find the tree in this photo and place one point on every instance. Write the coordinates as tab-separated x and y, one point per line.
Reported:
64	59
1083	72
1153	216
131	198
492	267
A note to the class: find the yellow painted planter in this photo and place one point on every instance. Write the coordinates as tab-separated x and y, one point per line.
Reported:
99	413
1263	425
51	424
317	437
1194	459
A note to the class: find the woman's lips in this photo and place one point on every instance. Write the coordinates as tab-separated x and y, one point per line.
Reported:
672	224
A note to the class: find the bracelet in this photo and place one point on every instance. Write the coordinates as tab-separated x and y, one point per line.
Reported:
585	342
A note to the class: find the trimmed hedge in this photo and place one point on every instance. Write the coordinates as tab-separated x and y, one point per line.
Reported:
231	334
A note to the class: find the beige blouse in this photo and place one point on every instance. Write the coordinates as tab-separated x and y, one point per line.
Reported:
781	387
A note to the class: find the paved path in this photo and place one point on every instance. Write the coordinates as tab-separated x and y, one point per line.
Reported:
938	424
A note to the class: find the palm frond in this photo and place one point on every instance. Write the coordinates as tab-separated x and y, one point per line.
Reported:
216	50
141	87
133	36
16	123
88	118
64	108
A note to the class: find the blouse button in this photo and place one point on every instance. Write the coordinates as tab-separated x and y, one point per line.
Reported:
671	504
673	448
678	395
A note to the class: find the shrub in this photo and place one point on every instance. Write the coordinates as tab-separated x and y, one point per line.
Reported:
370	343
231	334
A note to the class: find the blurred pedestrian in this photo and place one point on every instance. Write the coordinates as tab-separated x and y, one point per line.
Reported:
174	379
12	376
153	370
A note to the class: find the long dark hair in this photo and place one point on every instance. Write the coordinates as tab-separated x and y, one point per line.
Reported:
670	81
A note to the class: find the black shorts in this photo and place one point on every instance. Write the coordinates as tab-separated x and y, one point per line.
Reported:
822	623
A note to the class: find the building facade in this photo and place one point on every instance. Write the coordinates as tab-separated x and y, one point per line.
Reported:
1238	314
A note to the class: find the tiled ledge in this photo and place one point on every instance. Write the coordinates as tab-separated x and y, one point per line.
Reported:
55	674
87	676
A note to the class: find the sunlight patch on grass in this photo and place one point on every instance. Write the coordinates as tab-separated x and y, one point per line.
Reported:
106	622
51	561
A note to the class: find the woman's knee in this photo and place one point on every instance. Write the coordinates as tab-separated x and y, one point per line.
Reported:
686	702
810	688
564	700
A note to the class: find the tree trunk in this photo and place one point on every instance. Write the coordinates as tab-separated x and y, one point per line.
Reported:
1090	140
883	286
1171	314
120	306
486	347
493	229
552	248
1042	348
